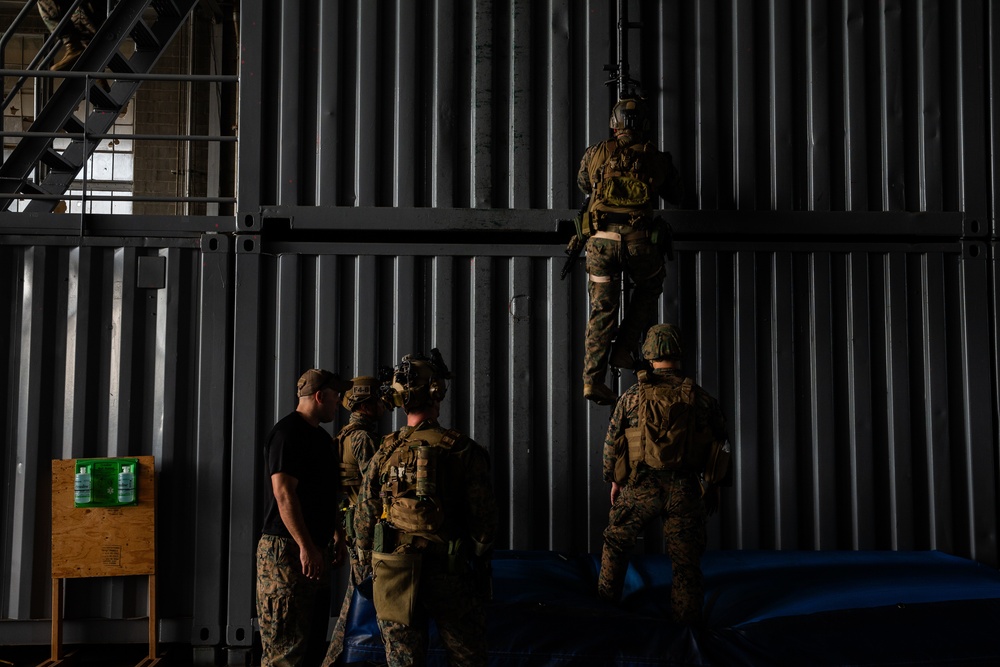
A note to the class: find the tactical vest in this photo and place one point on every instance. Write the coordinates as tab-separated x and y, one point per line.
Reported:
669	436
412	490
622	177
350	470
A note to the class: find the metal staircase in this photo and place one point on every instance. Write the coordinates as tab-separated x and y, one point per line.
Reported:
104	60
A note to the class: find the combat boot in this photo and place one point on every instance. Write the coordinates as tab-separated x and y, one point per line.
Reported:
599	393
621	357
71	53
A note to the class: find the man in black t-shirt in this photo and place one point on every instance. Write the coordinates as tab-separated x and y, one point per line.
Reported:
301	539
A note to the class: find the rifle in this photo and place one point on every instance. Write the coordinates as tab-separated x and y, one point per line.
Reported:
662	237
620	71
577	241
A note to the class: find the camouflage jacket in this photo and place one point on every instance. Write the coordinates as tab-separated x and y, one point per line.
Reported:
471	480
357	442
626	415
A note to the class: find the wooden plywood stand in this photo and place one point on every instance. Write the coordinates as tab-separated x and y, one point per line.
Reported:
102	542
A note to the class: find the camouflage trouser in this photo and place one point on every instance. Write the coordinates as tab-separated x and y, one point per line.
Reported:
677	498
83	23
460	617
293	611
606	258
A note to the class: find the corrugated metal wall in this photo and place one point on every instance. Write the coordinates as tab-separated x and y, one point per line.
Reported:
849	105
852	379
117	348
402	165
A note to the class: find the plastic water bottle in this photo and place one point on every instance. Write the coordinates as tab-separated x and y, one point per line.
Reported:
82	486
126	485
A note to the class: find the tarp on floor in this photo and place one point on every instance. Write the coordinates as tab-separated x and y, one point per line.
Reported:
762	608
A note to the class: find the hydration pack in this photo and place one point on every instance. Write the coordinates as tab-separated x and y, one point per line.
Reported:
670	435
412	490
622	176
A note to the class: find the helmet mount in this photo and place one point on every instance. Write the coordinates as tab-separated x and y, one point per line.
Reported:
418	380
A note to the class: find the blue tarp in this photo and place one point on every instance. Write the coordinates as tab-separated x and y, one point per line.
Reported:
762	608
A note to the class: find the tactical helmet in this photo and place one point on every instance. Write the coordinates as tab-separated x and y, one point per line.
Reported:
663	341
419	380
363	389
630	114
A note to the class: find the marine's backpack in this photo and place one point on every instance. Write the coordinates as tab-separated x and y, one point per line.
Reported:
413	492
623	176
670	435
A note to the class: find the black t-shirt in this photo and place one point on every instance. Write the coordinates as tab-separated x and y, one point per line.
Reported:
308	454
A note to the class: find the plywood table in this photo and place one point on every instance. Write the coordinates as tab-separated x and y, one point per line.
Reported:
102	542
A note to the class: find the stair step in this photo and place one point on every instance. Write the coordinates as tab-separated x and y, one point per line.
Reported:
29	188
55	161
101	98
73	125
119	63
166	8
144	38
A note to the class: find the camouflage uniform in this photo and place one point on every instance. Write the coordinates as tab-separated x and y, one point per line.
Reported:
607	258
674	495
357	441
457	609
448	595
83	23
291	608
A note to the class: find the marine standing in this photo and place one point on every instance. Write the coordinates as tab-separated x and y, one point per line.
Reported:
425	523
356	444
665	455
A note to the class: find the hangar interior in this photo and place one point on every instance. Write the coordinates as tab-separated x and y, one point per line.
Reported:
219	194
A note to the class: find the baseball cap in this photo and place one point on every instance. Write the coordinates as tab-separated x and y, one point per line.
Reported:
317	379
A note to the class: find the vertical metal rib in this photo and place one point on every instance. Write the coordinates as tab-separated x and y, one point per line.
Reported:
781	187
328	104
366	108
890	105
79	308
857	343
817	111
897	447
290	110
